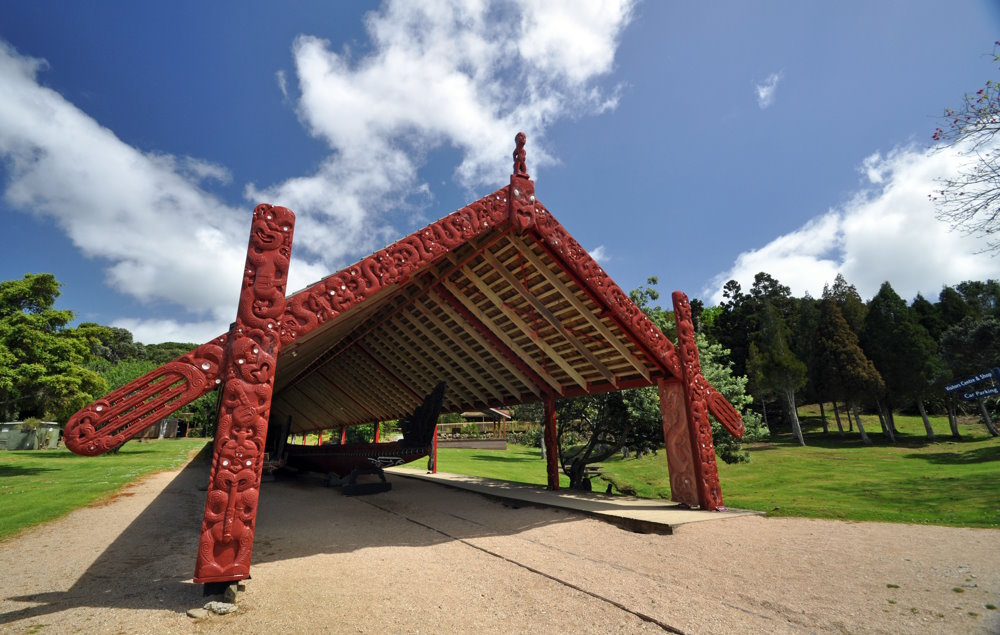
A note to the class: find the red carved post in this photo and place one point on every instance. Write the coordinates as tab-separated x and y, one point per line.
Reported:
250	362
434	470
680	458
551	442
696	389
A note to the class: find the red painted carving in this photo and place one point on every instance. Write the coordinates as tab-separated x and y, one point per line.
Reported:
250	362
112	420
520	164
696	393
393	265
120	415
522	190
677	441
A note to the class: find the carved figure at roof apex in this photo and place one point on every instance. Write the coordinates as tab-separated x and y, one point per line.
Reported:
520	166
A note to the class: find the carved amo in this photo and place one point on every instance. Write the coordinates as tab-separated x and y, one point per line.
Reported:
250	362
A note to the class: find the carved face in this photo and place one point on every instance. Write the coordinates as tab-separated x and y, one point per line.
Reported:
270	227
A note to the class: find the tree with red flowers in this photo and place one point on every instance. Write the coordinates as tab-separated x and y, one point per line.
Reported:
970	200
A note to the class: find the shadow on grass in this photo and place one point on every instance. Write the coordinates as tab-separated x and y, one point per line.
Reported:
21	470
968	457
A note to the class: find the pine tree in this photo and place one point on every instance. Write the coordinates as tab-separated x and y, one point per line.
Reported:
902	351
845	371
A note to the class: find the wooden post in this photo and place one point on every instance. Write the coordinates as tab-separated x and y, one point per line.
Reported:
249	364
695	388
320	437
680	458
378	425
343	435
435	470
551	441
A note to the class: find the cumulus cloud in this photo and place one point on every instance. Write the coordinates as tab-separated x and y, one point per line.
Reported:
137	211
440	74
600	254
886	231
766	91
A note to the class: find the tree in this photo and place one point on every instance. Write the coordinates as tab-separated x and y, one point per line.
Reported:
983	298
592	428
846	373
42	358
970	200
972	347
928	316
780	371
902	351
110	343
849	301
952	307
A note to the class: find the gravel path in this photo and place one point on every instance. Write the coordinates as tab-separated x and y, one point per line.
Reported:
425	558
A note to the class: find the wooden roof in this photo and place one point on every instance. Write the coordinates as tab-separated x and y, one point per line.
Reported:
496	299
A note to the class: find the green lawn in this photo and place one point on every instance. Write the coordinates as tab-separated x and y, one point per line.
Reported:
40	485
943	483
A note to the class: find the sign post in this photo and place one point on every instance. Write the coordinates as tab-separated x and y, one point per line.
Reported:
977	394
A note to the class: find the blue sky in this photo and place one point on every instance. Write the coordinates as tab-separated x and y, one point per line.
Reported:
696	142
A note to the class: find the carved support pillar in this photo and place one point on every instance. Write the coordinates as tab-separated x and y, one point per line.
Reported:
248	370
551	440
697	394
676	434
434	453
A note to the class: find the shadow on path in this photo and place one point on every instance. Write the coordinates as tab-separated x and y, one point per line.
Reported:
150	564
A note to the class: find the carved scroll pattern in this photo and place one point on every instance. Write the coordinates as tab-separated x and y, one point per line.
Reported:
677	441
696	392
231	504
555	236
337	293
121	414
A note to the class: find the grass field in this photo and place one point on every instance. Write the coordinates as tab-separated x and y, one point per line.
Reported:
914	481
40	485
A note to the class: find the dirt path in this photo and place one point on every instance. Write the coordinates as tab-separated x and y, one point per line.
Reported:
424	558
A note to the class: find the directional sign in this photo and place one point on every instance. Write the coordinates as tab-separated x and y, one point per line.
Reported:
968	381
976	394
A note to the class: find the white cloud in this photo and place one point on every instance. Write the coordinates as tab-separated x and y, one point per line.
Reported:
767	90
466	75
162	236
282	83
886	232
600	254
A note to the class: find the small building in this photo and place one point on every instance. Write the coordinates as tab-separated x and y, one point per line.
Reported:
17	435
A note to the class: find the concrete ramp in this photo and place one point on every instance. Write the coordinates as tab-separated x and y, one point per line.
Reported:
641	515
